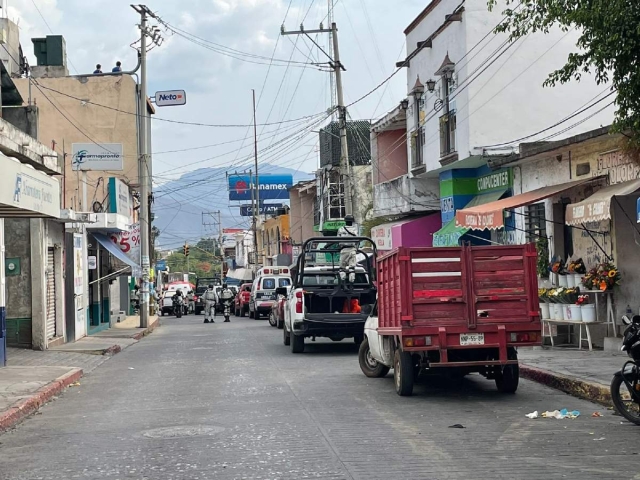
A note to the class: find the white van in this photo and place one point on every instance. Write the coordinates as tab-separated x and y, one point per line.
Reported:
263	291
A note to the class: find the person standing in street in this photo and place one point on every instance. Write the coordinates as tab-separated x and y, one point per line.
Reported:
226	297
348	251
210	298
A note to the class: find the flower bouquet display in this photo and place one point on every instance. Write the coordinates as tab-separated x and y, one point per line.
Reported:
557	268
603	277
576	269
543	296
587	310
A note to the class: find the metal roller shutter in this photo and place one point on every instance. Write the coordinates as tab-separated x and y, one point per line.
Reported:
51	294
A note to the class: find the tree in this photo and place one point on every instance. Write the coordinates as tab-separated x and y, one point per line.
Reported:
608	46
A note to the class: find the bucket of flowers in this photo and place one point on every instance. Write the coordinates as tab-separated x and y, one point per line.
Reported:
603	277
587	310
577	269
543	296
557	268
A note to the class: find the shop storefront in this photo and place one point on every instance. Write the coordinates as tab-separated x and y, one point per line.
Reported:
31	267
414	232
469	188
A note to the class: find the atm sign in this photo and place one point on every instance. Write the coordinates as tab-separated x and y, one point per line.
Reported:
171	97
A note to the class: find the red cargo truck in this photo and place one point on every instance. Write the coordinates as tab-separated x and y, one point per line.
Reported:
463	309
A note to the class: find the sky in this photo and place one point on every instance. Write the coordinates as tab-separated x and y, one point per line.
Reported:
219	87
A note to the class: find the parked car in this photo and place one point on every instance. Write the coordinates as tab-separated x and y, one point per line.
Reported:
264	288
458	309
241	304
276	317
166	303
321	302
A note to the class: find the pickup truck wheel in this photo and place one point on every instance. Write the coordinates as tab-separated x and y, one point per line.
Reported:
507	380
286	336
403	373
369	365
297	343
272	320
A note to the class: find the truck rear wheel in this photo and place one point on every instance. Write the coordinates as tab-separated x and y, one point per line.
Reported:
369	365
286	336
507	379
403	373
297	343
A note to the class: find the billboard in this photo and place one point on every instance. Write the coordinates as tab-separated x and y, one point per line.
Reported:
91	156
270	187
171	97
272	208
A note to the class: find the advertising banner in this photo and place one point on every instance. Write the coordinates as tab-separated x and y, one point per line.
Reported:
23	187
119	201
90	156
129	243
270	187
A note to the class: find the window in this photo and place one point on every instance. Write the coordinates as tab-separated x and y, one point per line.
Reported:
448	133
268	284
535	222
284	282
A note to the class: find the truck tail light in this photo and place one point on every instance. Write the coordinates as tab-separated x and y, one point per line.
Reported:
299	302
524	337
417	341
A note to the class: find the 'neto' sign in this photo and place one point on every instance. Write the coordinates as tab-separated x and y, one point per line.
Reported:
171	97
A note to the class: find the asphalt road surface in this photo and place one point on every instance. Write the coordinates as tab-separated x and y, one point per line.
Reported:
230	401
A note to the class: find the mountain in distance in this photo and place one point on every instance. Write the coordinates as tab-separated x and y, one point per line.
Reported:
179	204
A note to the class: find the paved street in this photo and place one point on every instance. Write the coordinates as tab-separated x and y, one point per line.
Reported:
229	401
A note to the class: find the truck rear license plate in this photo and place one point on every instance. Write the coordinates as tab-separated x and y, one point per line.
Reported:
472	339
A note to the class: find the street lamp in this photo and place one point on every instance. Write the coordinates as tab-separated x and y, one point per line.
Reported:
431	85
404	103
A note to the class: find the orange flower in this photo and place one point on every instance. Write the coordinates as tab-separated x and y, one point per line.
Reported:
603	286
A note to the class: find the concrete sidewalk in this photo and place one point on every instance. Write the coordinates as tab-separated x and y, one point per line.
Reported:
580	373
33	377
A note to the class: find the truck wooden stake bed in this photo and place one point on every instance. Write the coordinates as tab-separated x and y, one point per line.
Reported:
464	309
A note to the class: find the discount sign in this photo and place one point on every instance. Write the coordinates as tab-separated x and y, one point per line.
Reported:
129	242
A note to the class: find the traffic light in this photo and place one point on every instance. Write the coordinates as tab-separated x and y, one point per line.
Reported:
185	249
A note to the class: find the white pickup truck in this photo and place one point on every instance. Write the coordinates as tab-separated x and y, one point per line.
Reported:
323	304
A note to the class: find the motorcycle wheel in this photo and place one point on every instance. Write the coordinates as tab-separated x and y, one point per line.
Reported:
178	314
623	400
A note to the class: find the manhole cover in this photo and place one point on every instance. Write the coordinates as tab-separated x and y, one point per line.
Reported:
184	431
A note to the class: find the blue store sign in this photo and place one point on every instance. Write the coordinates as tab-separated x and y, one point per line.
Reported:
270	187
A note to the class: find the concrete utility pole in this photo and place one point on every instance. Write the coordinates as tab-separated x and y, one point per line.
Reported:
345	165
143	167
256	208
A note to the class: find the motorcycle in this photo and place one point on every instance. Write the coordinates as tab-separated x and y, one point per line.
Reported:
178	306
625	386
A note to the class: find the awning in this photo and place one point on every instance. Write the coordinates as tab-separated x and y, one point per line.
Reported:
598	206
114	250
240	274
490	216
449	235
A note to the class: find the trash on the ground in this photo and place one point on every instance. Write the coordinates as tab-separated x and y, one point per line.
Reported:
560	414
532	415
75	384
596	414
599	439
457	425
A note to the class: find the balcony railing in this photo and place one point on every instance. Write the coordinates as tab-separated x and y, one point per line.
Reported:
417	147
447	134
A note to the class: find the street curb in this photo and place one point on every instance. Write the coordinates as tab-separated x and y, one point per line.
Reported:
26	407
594	392
148	330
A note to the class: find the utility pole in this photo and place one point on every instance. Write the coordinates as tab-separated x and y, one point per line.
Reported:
256	209
220	247
143	168
345	166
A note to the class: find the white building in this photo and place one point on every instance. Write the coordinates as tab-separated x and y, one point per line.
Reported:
472	95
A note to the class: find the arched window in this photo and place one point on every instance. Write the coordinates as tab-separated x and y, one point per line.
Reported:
278	246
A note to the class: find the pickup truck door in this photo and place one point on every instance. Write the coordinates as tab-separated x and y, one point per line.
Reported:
375	340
